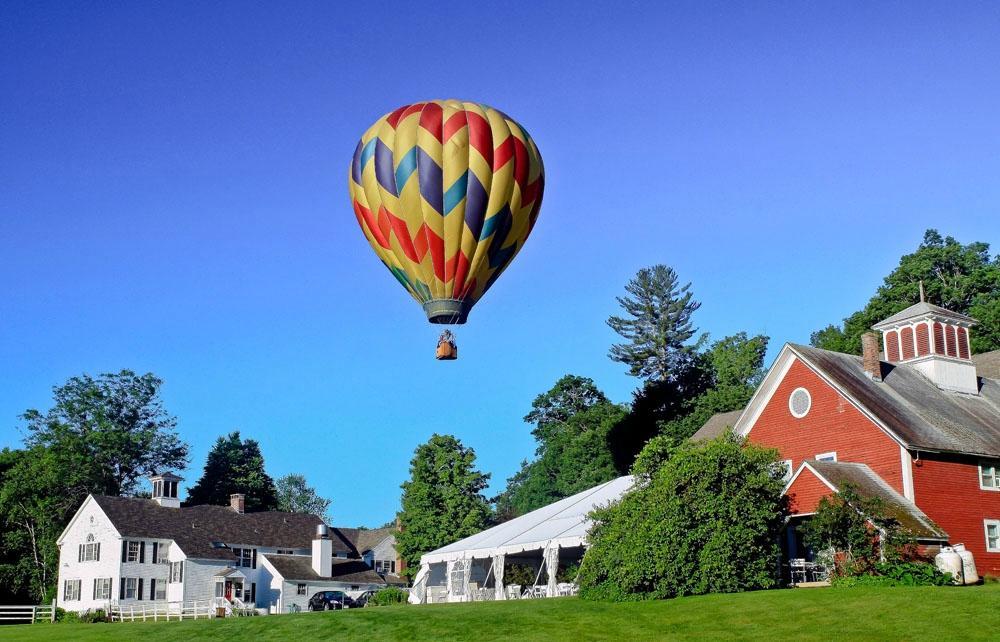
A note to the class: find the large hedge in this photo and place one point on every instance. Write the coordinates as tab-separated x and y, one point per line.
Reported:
707	520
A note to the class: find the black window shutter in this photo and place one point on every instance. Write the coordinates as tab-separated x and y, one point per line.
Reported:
138	590
124	553
142	553
152	588
255	558
98	551
121	588
253	592
156	546
94	594
79	554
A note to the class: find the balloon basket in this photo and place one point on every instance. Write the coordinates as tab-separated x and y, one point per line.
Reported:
447	350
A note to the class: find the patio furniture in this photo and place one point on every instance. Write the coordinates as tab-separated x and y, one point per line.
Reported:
567	588
798	570
513	591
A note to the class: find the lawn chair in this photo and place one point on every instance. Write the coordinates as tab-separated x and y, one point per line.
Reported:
513	591
798	570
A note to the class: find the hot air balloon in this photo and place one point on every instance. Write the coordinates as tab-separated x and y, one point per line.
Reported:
446	192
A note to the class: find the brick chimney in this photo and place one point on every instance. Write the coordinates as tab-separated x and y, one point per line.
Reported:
869	356
237	502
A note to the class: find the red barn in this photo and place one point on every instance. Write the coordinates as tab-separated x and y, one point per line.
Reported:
921	430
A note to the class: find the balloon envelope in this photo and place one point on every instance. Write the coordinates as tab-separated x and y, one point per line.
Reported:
446	192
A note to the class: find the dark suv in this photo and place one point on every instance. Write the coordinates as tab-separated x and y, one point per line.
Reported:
328	601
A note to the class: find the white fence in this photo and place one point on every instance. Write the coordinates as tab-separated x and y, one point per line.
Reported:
156	611
29	613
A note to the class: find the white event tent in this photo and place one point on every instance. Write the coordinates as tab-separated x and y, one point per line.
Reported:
538	536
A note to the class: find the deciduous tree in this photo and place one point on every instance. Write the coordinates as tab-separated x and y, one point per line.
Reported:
961	278
706	521
442	501
296	496
114	427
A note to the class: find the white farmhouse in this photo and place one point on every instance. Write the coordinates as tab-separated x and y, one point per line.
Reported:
125	550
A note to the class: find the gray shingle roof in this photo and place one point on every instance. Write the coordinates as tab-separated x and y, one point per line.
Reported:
871	485
920	309
922	415
299	567
716	425
368	538
194	528
988	364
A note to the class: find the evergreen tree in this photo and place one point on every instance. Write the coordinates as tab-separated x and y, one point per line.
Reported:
657	326
235	465
961	278
665	414
296	496
442	501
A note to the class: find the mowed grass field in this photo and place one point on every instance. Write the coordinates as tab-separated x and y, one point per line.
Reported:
925	613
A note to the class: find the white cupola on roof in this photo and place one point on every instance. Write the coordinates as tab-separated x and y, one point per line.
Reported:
165	490
935	341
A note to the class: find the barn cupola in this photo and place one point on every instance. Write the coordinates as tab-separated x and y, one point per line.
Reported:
165	490
933	340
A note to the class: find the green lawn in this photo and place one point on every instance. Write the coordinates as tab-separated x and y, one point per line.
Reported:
971	613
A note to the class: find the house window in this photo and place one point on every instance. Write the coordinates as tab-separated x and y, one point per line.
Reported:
285	551
385	566
71	590
799	402
132	551
300	589
102	588
244	556
91	551
989	476
158	553
832	456
131	587
176	572
160	592
992	535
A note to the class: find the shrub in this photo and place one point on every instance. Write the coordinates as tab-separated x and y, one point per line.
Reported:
62	615
706	520
520	574
896	574
94	616
388	596
857	534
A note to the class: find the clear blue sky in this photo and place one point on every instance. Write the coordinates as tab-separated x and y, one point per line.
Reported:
173	199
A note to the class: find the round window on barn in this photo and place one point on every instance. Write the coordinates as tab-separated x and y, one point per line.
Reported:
799	402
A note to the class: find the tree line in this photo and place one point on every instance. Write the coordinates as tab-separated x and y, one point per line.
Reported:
105	436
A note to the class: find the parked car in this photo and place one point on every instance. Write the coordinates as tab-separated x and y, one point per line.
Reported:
328	601
362	600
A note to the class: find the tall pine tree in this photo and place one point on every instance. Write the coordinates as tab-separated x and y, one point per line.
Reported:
657	325
235	465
